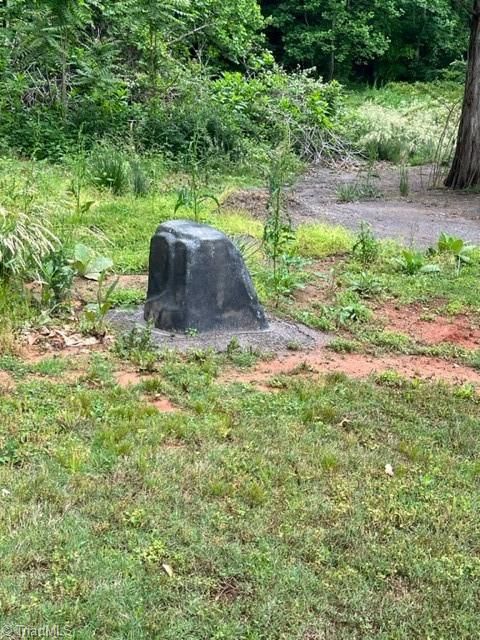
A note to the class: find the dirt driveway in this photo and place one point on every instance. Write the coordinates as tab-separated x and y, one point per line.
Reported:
415	220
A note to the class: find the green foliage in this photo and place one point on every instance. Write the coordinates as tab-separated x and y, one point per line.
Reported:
88	264
413	262
138	347
456	247
321	240
377	40
110	169
366	248
366	284
278	234
351	313
404	182
356	191
404	123
140	182
55	276
193	196
95	313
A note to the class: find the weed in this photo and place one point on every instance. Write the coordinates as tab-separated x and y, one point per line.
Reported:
366	247
25	240
413	262
139	179
79	169
279	235
55	275
455	246
351	313
343	345
110	169
127	297
94	314
138	346
366	284
321	240
193	196
404	181
88	264
363	189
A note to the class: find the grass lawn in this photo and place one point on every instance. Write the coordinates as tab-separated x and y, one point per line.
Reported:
320	507
273	510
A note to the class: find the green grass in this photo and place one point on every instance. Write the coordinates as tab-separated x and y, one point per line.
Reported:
273	510
322	240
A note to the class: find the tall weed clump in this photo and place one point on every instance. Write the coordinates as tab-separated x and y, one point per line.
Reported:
110	169
279	233
396	125
26	239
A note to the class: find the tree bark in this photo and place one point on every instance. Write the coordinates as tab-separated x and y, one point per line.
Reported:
465	170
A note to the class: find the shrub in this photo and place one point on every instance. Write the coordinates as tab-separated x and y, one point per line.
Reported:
402	122
110	169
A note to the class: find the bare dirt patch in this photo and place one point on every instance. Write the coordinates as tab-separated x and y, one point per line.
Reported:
7	383
460	330
128	378
164	405
85	291
417	219
322	361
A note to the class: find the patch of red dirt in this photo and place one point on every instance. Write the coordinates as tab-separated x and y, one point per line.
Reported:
128	378
356	365
6	381
162	404
459	330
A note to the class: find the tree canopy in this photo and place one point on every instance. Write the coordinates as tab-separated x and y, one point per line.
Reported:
368	39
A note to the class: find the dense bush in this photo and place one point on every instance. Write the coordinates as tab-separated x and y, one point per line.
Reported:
401	122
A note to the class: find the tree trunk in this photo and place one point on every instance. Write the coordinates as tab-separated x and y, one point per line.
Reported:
465	170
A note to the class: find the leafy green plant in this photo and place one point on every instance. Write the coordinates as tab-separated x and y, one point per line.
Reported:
76	187
413	262
56	276
95	313
456	247
138	346
365	284
26	239
88	264
128	297
366	248
193	195
351	313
